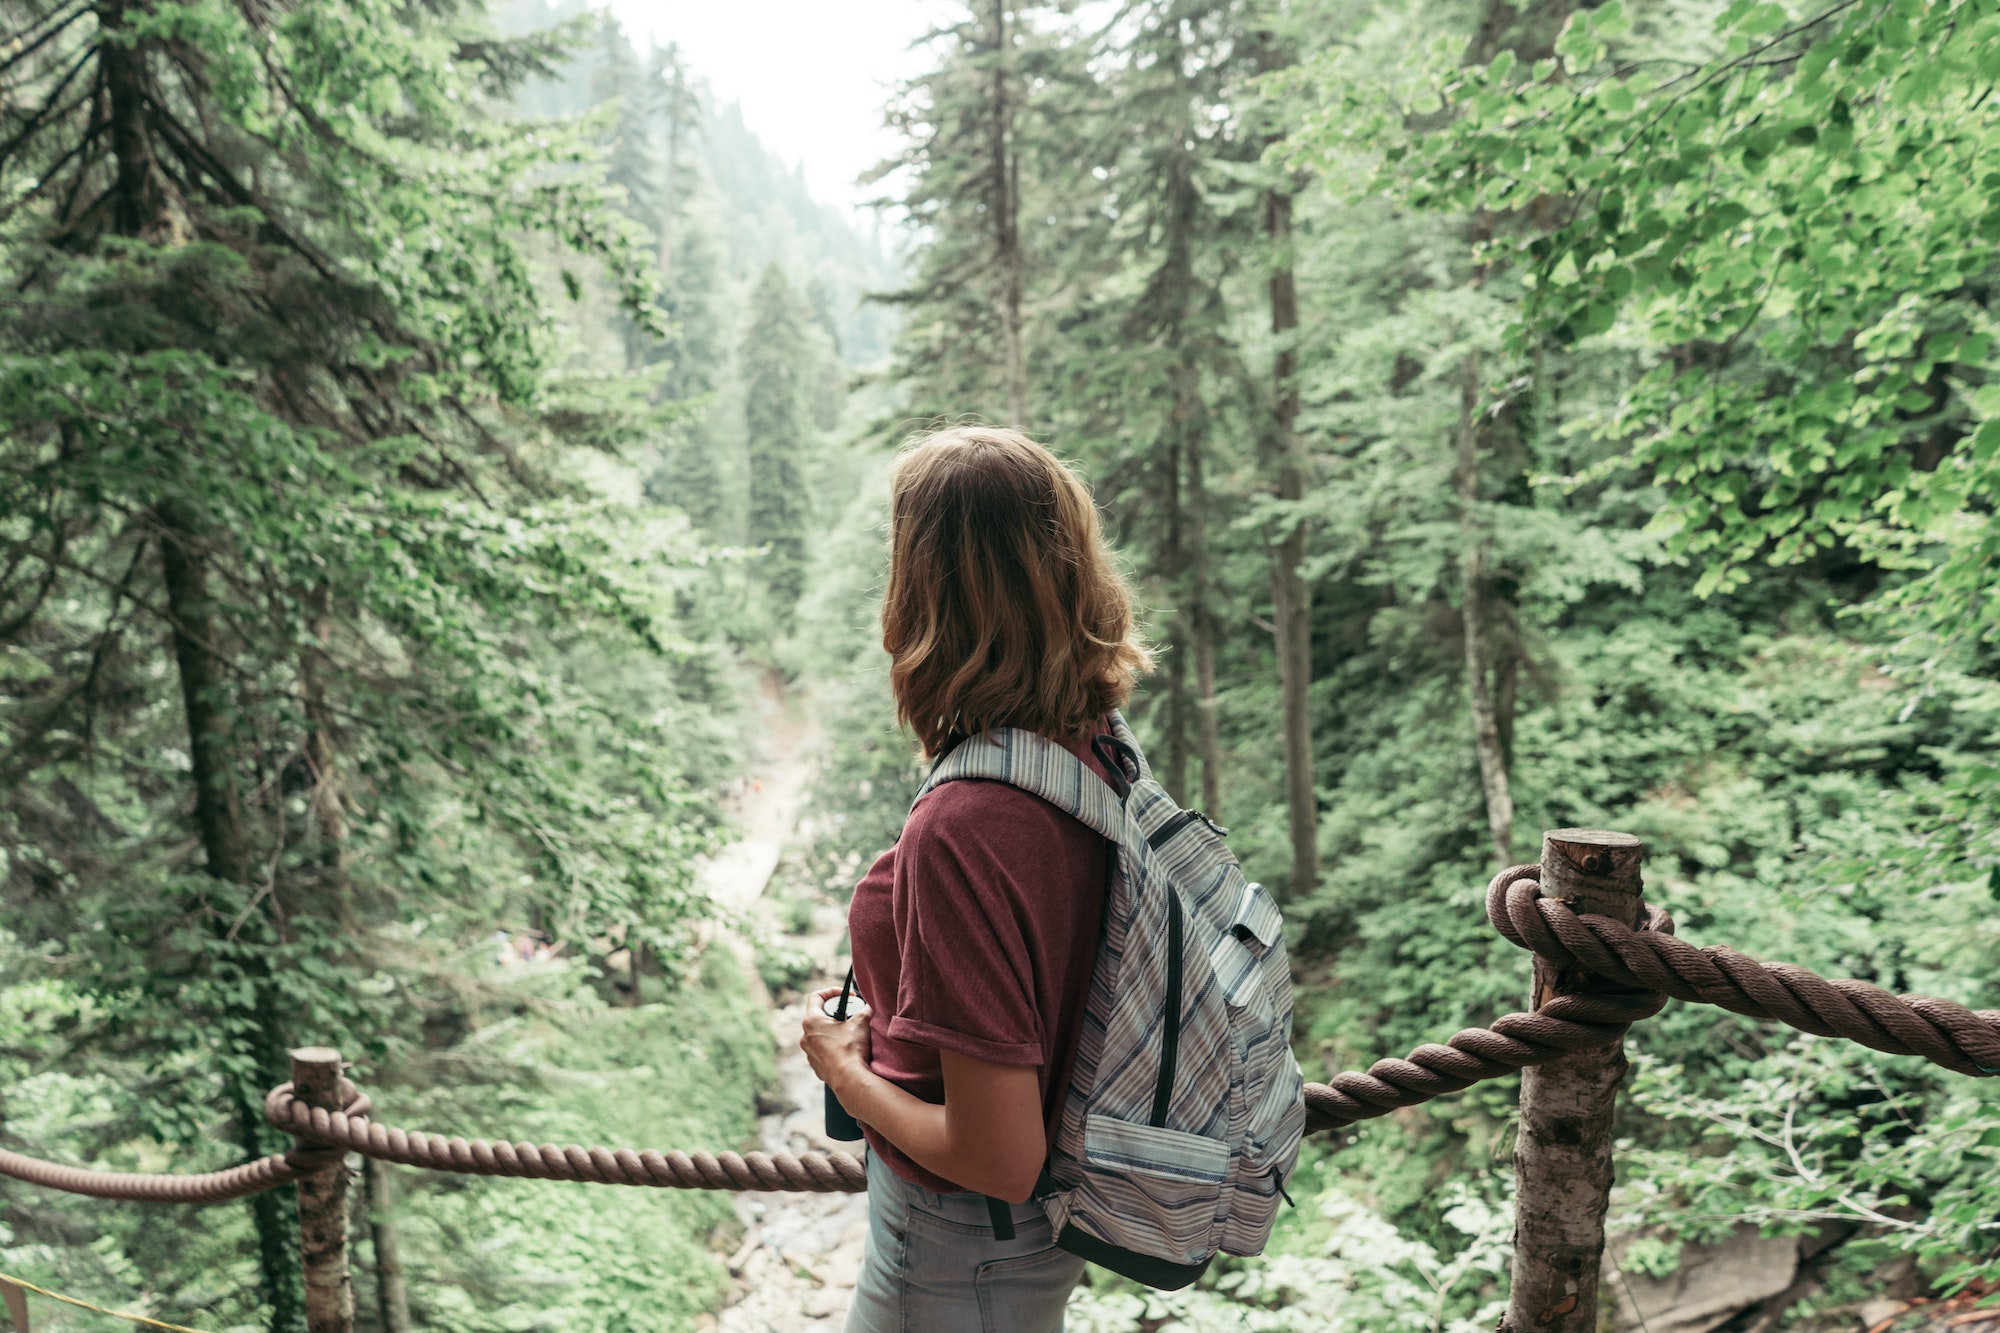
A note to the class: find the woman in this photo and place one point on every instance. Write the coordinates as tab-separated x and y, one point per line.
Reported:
974	937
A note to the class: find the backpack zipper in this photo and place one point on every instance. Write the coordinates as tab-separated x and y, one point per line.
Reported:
1178	821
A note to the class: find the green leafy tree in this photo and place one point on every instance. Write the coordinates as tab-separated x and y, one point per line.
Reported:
1789	225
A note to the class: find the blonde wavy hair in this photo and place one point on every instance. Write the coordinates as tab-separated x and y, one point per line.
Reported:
1004	607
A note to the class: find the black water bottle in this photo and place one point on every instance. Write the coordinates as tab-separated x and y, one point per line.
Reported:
840	1126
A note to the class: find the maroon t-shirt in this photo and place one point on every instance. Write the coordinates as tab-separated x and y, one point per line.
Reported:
977	933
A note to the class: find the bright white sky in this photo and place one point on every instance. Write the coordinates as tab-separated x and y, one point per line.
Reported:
811	75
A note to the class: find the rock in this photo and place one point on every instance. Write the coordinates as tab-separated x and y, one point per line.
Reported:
1713	1284
1874	1312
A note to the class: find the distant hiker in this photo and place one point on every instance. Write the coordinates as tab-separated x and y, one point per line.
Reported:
974	937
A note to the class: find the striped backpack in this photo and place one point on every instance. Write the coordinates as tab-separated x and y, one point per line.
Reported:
1185	1106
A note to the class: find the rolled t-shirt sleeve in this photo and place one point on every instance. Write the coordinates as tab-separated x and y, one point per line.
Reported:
967	981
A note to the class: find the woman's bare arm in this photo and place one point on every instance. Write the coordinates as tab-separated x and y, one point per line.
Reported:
987	1137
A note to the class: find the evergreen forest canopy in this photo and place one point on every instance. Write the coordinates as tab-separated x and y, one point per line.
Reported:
422	425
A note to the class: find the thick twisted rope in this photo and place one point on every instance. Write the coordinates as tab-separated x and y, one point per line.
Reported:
1514	1041
331	1135
814	1172
209	1187
1650	966
206	1187
1944	1033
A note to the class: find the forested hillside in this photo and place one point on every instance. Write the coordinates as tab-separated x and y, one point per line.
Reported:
389	406
423	429
1520	418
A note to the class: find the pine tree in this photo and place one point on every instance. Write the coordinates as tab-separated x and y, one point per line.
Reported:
1151	373
630	159
776	362
677	112
991	158
689	261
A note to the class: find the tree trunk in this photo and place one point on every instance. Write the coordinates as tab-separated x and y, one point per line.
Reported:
1208	738
392	1300
1003	199
1201	620
1506	696
328	809
668	204
1562	1153
1291	596
219	819
144	206
17	1306
140	205
205	691
1173	570
1478	676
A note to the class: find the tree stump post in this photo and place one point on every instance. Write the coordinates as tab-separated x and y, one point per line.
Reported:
316	1081
1562	1154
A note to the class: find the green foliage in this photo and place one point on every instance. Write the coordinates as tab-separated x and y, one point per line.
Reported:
1801	225
541	1055
1822	1137
1338	1267
376	532
566	1070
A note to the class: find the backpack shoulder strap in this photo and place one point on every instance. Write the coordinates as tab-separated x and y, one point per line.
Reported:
1039	766
1123	732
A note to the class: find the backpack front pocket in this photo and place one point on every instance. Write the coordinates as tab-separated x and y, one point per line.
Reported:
1151	1186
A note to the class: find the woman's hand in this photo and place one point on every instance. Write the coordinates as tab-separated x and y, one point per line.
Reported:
836	1050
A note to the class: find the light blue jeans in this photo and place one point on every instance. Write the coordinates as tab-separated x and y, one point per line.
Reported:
933	1266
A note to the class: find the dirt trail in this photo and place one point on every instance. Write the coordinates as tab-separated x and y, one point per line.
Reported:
794	1271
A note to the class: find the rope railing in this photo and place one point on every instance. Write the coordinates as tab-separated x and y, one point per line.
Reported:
352	1131
237	1182
1960	1039
1641	968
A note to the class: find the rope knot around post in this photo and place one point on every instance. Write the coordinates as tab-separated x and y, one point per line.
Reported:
1652	958
310	1153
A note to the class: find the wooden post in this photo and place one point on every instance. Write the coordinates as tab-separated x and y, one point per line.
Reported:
1562	1154
17	1306
323	1203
